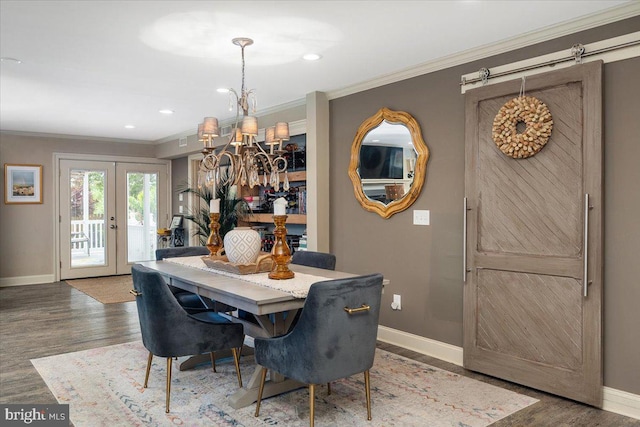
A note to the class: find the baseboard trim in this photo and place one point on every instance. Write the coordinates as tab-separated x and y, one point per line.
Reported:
439	350
26	280
621	402
614	400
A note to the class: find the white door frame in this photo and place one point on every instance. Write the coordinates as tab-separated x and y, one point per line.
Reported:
109	267
123	265
57	157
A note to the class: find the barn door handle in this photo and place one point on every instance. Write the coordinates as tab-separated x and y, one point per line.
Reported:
585	277
464	242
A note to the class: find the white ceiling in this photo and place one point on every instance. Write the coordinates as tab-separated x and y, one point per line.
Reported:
91	67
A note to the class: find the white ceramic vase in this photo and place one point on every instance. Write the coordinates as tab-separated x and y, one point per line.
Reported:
242	245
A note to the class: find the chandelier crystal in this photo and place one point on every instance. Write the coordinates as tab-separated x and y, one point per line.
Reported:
247	160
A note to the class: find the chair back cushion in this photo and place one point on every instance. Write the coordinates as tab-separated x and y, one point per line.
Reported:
314	259
328	343
167	330
183	251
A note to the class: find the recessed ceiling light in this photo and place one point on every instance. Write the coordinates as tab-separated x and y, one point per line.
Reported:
222	90
7	59
311	57
129	126
166	111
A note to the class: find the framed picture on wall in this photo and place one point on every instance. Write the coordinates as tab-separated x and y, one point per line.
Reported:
23	184
176	221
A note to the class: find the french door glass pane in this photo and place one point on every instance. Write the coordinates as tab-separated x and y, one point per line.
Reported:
142	216
87	218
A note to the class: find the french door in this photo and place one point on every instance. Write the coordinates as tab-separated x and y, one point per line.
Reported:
533	292
109	215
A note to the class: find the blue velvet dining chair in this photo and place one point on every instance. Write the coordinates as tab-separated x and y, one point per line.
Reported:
334	338
314	259
322	260
169	331
191	302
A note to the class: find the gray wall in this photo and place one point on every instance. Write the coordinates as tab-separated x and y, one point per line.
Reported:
26	231
424	263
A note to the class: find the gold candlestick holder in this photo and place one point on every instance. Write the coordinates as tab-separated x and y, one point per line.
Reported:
280	252
214	242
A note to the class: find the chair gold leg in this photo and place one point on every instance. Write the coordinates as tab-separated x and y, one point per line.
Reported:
236	360
367	392
312	406
263	377
242	346
213	361
169	365
146	376
328	389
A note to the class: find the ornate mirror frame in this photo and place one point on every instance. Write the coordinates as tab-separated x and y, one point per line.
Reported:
394	117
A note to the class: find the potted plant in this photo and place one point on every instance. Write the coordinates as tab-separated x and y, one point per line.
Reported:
232	209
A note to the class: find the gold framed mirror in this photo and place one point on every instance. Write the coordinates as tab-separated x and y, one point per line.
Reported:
388	162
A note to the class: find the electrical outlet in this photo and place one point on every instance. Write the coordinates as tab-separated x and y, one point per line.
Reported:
397	302
421	217
180	197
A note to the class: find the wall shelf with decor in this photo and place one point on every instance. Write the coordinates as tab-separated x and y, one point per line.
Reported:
260	198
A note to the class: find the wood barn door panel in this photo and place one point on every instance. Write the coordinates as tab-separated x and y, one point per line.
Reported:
509	303
539	196
526	316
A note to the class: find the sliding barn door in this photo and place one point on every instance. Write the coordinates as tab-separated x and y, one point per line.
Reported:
533	290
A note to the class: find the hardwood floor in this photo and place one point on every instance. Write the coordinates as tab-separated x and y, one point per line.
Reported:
43	320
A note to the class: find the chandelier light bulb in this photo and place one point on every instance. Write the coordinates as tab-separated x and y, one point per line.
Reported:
210	127
250	126
282	131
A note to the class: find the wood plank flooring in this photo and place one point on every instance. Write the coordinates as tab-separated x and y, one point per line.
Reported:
43	320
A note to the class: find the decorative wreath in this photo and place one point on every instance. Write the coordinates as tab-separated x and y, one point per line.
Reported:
537	118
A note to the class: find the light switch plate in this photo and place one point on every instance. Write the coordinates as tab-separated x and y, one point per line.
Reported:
421	217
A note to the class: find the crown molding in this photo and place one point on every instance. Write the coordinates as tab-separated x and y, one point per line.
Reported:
84	138
587	22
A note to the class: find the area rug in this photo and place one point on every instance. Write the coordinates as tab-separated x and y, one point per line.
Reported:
107	290
103	387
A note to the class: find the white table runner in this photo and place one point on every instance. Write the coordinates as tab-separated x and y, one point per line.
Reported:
297	287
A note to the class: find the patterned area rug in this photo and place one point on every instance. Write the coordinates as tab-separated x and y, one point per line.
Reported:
107	290
104	388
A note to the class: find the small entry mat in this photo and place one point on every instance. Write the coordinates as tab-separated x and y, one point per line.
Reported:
107	290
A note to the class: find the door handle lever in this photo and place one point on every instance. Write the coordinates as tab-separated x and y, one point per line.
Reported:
585	253
464	241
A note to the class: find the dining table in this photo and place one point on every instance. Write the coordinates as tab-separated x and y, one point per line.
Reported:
272	306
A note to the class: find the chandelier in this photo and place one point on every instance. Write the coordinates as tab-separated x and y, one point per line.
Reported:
242	160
